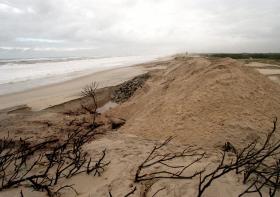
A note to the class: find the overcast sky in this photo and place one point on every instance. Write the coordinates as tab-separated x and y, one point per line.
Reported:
46	28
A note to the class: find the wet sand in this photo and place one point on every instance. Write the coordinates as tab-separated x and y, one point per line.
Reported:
50	95
272	71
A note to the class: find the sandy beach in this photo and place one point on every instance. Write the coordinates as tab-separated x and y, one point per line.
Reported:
50	95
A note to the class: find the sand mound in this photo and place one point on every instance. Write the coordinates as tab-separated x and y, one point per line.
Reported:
203	102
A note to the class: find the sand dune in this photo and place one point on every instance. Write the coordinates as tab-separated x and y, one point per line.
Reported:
202	102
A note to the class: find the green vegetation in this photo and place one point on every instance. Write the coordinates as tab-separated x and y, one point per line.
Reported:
246	55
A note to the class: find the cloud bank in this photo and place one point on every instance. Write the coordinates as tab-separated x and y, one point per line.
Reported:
34	28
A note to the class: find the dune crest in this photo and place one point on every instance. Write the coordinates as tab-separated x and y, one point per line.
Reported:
204	102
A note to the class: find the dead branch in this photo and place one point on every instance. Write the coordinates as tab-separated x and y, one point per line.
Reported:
254	162
170	171
159	190
126	195
62	160
90	91
131	192
42	165
55	158
21	193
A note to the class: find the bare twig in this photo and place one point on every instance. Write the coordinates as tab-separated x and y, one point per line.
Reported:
170	171
56	159
253	162
90	91
159	190
131	192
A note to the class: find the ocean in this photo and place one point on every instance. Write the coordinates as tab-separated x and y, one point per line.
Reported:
19	75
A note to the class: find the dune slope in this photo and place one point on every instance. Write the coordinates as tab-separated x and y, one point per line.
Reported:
203	102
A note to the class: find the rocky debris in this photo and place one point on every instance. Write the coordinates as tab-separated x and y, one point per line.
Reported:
117	122
127	89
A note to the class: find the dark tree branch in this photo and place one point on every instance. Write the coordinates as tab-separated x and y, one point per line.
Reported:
56	159
170	171
253	162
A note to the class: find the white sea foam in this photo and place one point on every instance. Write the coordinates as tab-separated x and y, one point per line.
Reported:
25	74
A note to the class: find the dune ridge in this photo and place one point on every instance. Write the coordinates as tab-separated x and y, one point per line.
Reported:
204	102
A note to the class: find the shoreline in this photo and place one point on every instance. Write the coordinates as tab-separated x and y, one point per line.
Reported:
17	78
200	104
54	94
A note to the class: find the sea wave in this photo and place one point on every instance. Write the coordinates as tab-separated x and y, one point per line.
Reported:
15	73
42	60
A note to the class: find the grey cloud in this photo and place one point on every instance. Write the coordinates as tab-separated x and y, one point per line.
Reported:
121	27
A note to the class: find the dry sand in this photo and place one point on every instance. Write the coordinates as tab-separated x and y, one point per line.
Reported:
200	101
126	152
203	102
